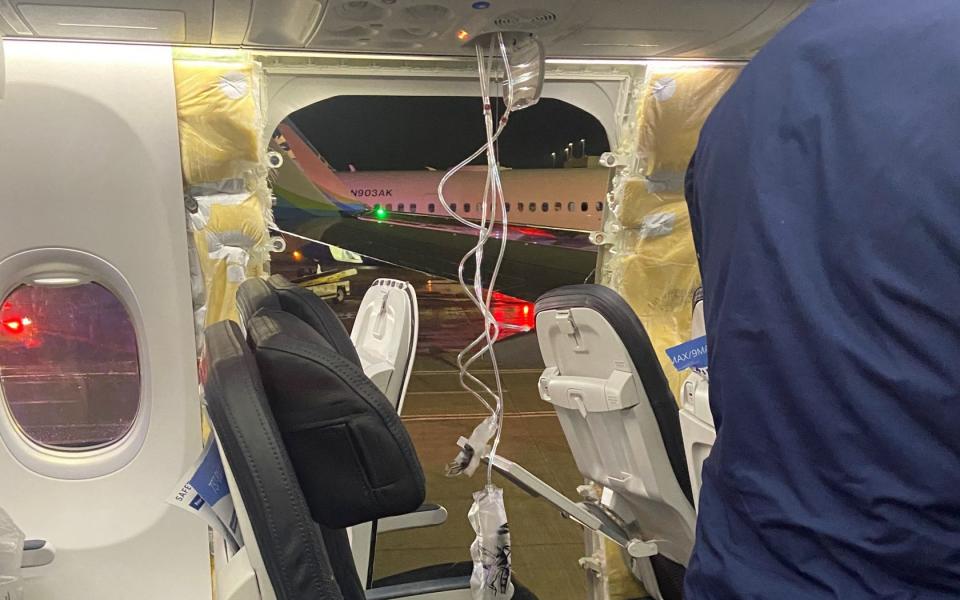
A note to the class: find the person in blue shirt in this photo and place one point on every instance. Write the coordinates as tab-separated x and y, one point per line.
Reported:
825	200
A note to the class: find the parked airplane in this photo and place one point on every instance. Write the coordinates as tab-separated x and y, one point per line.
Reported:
396	216
570	198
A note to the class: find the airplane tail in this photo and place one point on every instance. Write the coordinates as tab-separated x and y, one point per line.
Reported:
316	168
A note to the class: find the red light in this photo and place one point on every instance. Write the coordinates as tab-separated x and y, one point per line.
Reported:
13	325
534	232
514	314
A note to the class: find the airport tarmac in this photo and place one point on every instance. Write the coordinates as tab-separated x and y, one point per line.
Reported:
546	546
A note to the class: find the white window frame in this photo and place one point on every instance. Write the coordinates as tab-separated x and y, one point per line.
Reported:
53	265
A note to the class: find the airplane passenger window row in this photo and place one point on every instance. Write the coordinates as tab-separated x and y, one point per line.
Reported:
531	207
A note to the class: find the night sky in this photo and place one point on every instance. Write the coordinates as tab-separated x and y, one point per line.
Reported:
412	133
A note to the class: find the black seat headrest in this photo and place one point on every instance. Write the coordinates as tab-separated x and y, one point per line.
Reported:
291	546
312	310
625	322
352	455
252	295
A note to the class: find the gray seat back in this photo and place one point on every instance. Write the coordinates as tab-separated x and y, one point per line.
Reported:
385	336
618	414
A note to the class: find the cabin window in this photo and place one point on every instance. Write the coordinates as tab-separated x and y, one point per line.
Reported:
413	208
400	207
532	207
453	207
69	365
599	206
557	206
508	206
389	208
570	206
432	208
466	207
545	206
584	207
519	206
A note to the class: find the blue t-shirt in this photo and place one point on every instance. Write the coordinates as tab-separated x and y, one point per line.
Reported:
825	200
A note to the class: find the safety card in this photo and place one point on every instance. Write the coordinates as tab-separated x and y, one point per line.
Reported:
204	492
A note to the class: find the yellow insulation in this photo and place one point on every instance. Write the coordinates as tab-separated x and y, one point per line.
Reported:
230	249
219	119
621	584
658	273
239	224
221	124
222	290
634	202
675	103
653	263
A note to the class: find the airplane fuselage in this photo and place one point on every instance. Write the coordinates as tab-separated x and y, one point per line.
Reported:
549	198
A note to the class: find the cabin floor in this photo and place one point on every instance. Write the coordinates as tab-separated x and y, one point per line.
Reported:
546	546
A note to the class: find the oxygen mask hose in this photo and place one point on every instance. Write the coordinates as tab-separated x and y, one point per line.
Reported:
492	206
491	577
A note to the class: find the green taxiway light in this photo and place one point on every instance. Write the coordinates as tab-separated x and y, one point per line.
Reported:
380	213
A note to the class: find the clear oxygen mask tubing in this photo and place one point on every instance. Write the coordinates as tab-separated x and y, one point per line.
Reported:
491	579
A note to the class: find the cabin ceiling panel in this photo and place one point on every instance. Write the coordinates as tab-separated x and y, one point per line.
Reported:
568	28
171	21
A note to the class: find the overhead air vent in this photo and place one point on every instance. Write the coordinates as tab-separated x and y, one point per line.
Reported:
525	20
428	13
283	24
360	10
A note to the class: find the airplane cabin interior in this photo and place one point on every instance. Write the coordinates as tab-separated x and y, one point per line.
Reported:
182	418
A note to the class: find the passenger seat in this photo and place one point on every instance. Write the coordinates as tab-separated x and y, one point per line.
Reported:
396	331
385	336
311	447
696	419
622	423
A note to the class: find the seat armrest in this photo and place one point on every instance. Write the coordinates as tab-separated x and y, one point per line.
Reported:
588	514
448	588
538	488
427	515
